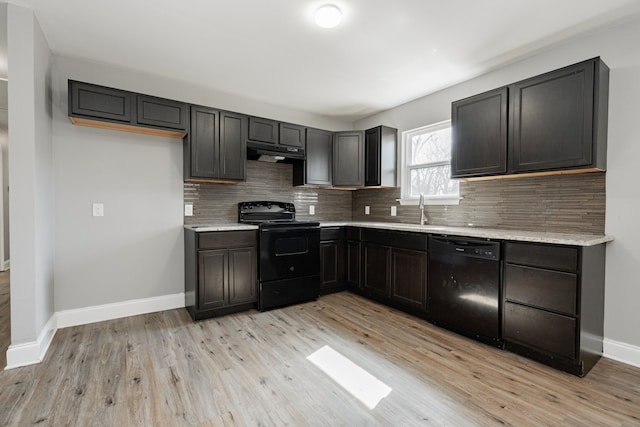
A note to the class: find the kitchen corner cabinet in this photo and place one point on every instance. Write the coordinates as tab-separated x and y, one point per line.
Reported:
220	272
348	159
554	303
332	260
316	169
380	151
102	107
215	149
555	122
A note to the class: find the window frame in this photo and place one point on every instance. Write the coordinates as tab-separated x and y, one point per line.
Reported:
405	169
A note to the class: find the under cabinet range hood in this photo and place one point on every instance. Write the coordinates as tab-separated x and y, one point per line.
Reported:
274	153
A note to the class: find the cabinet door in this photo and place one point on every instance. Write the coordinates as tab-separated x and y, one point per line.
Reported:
293	135
376	269
233	146
372	138
348	159
204	143
100	102
212	279
319	157
353	264
331	264
243	283
161	112
409	278
263	130
479	135
551	120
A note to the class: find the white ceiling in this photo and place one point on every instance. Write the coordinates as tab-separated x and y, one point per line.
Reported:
385	52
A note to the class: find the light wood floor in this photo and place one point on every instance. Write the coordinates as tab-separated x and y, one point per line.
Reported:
5	318
251	369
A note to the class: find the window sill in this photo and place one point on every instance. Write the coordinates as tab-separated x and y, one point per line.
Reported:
430	201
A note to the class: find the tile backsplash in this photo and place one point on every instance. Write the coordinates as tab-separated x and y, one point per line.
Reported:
218	203
560	203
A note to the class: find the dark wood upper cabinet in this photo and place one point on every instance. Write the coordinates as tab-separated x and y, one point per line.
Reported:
161	112
479	134
293	135
233	146
263	130
381	147
554	119
317	168
100	102
348	159
215	148
106	108
547	124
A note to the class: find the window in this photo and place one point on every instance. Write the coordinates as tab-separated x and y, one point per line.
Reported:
426	166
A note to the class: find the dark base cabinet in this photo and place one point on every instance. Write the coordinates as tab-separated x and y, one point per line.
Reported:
353	250
220	272
332	260
554	304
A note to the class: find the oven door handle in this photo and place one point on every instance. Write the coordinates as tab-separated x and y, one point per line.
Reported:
288	229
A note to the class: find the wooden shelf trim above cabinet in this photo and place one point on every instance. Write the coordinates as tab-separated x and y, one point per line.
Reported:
79	121
532	174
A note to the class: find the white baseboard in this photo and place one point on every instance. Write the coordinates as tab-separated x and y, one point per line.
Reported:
33	352
5	265
622	352
99	313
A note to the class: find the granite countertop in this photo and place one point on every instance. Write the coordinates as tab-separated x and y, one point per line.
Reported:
488	233
485	233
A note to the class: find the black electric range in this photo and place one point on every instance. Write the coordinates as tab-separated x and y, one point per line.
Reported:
289	253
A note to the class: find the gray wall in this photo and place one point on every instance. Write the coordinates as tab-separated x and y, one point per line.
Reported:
136	249
31	198
616	47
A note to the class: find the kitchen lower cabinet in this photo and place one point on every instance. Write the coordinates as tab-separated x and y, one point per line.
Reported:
409	278
376	270
220	272
553	308
332	260
353	249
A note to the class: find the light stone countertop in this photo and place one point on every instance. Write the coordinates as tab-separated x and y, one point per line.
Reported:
485	233
221	227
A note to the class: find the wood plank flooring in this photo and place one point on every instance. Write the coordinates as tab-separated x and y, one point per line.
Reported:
251	369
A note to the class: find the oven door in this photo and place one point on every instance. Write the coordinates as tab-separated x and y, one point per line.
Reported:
287	252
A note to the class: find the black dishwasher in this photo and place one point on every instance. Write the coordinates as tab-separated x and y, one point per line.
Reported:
464	286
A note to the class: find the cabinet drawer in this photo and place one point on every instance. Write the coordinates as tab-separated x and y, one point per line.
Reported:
227	239
160	112
550	332
331	233
553	290
540	255
352	233
397	239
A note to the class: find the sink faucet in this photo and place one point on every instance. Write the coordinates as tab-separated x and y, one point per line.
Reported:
423	218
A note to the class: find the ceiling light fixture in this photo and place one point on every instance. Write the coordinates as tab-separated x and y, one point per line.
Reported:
328	16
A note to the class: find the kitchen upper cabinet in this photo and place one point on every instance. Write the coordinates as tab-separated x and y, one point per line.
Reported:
316	169
263	130
107	108
348	159
554	303
293	135
479	135
220	272
215	148
380	150
552	123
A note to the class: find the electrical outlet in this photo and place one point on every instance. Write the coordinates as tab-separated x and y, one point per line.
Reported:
98	209
394	210
188	209
312	210
367	210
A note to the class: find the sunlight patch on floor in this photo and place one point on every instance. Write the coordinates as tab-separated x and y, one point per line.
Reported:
361	384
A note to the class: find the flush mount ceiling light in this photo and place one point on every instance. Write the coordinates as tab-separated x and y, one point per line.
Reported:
328	16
